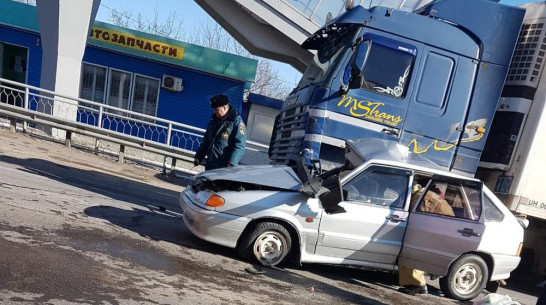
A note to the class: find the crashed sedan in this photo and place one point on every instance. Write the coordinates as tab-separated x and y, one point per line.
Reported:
364	214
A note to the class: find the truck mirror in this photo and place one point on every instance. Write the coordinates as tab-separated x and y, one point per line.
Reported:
355	79
360	56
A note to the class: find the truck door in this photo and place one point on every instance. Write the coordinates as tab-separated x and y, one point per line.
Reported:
445	223
372	225
439	104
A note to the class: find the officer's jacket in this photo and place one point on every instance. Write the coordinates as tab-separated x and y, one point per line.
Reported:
224	141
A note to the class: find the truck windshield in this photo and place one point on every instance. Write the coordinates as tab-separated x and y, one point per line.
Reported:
337	42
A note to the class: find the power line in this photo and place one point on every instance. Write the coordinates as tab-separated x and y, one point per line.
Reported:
121	14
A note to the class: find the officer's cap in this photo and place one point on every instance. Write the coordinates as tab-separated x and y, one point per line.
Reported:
219	100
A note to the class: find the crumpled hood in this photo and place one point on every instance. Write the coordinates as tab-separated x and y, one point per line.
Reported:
277	176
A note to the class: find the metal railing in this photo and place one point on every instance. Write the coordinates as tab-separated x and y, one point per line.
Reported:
33	105
317	10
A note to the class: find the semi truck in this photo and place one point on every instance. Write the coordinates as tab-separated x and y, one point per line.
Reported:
430	79
458	81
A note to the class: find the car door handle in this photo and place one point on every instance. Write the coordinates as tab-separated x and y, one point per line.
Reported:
468	232
395	218
390	131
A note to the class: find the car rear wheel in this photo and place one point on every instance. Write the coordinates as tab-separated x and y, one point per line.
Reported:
268	242
466	278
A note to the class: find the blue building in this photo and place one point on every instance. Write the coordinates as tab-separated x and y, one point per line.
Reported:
129	69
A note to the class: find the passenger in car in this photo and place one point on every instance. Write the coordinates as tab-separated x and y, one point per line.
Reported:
434	202
412	281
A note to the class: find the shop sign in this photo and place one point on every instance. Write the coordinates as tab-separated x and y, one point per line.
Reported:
133	42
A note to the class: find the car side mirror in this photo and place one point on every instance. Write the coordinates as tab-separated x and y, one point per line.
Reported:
524	222
330	200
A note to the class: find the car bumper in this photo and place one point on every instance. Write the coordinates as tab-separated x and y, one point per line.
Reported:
219	228
503	265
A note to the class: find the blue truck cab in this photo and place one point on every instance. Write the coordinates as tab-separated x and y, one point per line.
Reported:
431	79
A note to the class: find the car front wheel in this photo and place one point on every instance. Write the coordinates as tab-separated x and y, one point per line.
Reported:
466	278
268	242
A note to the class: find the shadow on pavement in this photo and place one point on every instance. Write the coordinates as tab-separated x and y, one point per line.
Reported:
108	185
168	226
160	220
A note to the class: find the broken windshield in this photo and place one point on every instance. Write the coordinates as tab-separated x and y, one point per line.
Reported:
338	39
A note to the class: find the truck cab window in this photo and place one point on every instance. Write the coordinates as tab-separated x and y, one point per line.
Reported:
337	40
387	70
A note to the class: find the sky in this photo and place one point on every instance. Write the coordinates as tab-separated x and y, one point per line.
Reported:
192	14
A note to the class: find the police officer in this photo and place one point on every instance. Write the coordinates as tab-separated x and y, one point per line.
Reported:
224	141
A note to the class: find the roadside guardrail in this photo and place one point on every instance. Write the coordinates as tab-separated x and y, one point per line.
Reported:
35	106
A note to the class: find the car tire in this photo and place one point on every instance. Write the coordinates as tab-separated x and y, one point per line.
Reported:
466	278
268	242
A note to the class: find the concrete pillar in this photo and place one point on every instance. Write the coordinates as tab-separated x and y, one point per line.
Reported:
121	155
64	28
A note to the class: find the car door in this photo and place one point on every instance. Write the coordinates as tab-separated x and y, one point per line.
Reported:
436	235
371	228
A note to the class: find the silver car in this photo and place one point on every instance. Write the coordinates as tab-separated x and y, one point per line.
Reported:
363	213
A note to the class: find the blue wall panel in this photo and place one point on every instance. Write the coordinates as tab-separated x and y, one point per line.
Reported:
191	106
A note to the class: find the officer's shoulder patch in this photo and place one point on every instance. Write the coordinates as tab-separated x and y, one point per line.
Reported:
242	128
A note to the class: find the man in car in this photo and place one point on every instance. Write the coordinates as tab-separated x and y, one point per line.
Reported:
412	281
224	141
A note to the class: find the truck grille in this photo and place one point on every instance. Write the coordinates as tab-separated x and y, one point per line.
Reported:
288	134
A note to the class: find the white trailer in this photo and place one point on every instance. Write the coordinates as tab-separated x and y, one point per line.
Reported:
513	163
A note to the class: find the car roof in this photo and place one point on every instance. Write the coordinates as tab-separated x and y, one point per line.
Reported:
389	152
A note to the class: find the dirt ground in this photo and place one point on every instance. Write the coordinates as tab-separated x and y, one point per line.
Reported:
80	155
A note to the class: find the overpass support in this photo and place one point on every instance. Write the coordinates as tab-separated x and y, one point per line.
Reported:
64	29
270	28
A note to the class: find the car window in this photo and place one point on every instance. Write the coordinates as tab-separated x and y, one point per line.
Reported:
492	213
451	199
378	188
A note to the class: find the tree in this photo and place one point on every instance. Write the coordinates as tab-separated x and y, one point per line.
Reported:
211	35
171	27
207	34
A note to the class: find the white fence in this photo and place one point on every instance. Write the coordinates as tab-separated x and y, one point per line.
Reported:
61	116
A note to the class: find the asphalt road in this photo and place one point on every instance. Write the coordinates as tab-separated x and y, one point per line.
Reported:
76	228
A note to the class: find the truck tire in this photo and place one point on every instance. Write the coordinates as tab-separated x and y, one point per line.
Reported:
267	242
466	278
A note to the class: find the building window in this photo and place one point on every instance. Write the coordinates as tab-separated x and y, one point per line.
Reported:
119	88
93	83
138	94
145	95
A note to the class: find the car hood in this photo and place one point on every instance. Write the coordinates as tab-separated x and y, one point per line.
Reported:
282	177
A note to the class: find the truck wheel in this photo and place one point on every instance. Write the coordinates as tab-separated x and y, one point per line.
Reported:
268	242
466	278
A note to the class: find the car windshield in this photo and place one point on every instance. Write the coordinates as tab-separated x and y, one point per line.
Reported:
326	59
